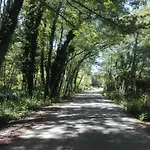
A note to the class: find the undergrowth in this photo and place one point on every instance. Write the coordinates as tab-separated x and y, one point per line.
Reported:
137	107
13	109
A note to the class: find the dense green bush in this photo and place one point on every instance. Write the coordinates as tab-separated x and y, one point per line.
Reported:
138	107
12	109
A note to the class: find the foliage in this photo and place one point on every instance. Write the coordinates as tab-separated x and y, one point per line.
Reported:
17	106
126	69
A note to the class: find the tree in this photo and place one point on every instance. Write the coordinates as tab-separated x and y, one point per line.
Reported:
58	65
8	22
55	40
49	61
31	23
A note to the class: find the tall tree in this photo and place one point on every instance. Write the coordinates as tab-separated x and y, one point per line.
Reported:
49	61
32	22
8	21
58	65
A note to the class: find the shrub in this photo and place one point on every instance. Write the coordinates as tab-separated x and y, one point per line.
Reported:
10	109
138	107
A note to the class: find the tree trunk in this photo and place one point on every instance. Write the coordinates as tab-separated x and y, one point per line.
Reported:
58	65
42	66
8	24
48	67
30	46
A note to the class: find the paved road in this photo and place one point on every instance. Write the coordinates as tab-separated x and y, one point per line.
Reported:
89	122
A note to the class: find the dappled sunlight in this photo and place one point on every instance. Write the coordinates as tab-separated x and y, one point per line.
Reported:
127	119
97	122
48	132
118	125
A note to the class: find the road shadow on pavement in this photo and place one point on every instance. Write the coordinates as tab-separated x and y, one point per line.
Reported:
89	122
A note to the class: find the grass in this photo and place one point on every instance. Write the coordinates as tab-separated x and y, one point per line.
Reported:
14	109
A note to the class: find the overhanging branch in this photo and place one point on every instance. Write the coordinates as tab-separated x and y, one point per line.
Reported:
55	11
